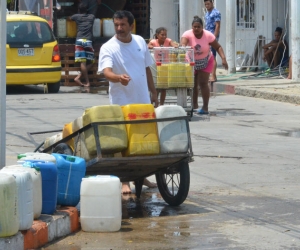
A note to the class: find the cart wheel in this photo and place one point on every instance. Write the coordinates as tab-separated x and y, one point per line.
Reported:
174	183
63	148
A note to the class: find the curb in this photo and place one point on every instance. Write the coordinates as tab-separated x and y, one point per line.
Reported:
219	87
44	230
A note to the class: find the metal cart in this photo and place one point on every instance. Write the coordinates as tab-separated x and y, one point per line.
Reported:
174	71
171	170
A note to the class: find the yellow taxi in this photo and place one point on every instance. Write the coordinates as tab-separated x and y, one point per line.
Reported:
32	52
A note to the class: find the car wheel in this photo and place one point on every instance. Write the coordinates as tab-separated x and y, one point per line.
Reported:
53	87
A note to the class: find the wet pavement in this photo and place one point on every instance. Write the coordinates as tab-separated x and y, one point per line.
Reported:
244	188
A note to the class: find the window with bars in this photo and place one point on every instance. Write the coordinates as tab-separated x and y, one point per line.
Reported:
246	13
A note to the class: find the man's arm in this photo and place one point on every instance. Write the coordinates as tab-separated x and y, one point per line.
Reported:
151	87
124	79
217	29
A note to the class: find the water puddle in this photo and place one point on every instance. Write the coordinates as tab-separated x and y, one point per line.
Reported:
152	205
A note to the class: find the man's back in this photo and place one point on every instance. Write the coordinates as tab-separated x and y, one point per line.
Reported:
84	25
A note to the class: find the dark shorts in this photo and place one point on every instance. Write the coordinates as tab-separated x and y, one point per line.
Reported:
84	51
213	51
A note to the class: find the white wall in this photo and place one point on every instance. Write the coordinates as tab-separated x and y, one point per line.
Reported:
164	13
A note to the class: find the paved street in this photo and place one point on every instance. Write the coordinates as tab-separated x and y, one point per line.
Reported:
244	191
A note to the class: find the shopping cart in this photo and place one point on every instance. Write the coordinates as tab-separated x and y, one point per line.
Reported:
174	71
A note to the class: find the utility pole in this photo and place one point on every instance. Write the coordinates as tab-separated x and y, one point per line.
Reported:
295	35
2	83
230	35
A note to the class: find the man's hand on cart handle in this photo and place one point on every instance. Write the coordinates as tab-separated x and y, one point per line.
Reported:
124	79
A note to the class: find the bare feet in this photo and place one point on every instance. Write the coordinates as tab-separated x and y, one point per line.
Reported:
126	188
149	184
77	80
86	85
212	79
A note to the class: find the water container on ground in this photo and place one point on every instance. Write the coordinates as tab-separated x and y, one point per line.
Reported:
108	27
25	196
113	138
97	28
49	184
71	170
37	188
71	29
81	149
173	137
61	27
9	216
143	138
34	156
100	204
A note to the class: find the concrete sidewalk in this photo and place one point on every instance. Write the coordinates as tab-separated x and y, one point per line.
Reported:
251	85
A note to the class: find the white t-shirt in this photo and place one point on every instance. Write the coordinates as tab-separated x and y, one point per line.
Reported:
131	59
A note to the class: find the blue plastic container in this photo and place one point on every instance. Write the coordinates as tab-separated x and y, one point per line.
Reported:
71	170
49	184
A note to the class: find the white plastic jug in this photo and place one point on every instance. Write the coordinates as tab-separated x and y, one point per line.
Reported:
100	204
36	157
172	135
37	188
108	27
61	28
25	196
97	28
9	216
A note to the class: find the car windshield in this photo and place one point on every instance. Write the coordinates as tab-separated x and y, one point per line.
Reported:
29	32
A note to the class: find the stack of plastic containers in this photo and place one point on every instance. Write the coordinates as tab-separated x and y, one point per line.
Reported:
71	170
37	188
173	137
142	137
25	196
46	164
113	138
9	216
100	204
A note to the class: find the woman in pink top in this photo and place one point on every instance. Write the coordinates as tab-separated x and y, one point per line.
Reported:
161	40
201	40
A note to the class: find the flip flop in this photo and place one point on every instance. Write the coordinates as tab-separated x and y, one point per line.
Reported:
202	112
